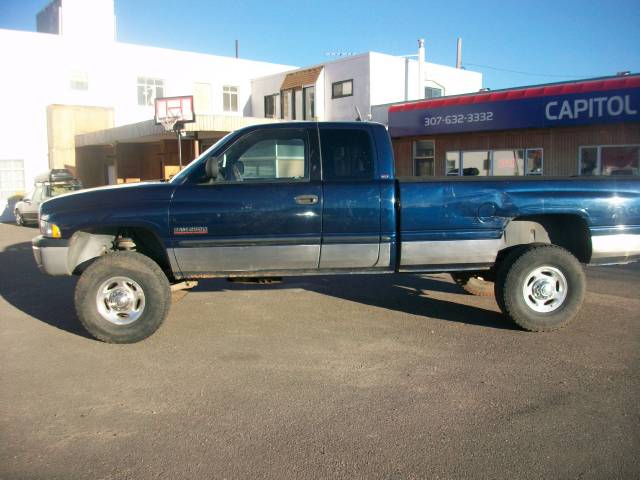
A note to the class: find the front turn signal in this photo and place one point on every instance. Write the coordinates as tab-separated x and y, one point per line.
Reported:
50	230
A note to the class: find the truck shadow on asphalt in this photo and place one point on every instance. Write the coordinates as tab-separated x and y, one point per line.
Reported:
408	293
50	299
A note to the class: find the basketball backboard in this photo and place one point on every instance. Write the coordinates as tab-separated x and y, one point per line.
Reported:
173	110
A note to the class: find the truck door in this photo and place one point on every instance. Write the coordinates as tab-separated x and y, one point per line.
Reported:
262	213
351	197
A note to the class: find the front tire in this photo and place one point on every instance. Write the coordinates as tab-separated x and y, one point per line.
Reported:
541	288
122	297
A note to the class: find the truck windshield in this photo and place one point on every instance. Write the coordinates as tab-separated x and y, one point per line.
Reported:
55	190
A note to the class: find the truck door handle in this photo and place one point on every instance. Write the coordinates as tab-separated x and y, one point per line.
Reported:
306	199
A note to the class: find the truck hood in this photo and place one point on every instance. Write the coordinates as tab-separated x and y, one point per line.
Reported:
125	192
126	204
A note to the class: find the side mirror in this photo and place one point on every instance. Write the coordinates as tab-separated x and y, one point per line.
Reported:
212	167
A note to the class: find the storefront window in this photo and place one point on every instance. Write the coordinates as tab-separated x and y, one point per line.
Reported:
424	158
453	163
475	163
620	160
508	162
589	161
610	160
514	162
535	158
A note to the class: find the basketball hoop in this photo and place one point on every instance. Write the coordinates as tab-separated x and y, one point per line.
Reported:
170	123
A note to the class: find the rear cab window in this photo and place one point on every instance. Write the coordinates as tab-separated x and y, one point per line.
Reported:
347	154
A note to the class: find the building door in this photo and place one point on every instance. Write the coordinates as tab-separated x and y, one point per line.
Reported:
263	212
309	103
298	113
287	105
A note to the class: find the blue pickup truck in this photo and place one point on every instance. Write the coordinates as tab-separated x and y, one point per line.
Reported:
309	198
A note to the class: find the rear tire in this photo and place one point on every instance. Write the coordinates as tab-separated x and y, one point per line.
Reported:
473	283
540	288
122	297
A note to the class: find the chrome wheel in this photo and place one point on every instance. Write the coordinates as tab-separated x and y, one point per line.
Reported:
19	219
120	300
545	289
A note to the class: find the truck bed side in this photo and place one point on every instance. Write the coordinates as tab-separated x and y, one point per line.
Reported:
465	223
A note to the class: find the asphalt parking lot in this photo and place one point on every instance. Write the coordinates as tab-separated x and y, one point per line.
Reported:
392	377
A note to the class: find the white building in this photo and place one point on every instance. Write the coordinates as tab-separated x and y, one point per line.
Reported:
76	78
74	91
339	89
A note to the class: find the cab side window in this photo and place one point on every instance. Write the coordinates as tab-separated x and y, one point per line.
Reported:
266	156
346	154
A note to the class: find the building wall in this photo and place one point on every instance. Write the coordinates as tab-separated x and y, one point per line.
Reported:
262	87
395	79
455	81
48	19
64	122
81	19
351	68
561	145
38	70
377	79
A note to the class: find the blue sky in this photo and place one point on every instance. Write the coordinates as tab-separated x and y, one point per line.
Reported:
547	40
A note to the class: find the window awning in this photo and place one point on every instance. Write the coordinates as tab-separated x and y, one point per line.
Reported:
298	79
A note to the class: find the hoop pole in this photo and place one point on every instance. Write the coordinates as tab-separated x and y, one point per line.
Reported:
179	147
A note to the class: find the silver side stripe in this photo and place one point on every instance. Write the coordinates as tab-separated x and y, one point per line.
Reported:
247	259
384	258
449	252
349	255
623	245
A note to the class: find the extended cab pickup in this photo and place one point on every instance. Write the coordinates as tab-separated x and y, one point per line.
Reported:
321	198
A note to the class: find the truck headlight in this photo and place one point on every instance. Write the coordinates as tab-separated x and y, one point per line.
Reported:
50	230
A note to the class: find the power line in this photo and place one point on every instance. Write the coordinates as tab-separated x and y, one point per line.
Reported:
533	74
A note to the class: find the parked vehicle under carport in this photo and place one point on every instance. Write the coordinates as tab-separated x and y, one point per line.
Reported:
47	185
